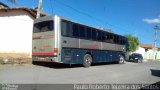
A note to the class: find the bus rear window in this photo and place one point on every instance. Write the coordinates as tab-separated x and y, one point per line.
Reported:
43	26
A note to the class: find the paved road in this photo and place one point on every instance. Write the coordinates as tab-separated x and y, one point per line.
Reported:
137	73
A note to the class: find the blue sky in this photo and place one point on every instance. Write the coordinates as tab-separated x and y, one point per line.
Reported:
136	17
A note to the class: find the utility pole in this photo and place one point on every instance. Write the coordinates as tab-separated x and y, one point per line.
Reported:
39	8
156	28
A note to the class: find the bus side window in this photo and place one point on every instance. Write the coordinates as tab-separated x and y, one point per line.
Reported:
75	30
103	36
118	41
94	34
123	40
99	35
82	31
66	30
51	26
109	38
88	33
115	39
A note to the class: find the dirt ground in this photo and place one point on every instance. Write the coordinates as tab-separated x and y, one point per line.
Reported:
15	57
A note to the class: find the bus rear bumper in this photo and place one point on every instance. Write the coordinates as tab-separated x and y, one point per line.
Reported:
45	59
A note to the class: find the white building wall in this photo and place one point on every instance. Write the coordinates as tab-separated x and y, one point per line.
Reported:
158	55
148	54
16	32
140	50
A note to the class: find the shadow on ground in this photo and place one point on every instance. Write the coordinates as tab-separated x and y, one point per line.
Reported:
63	66
155	72
155	86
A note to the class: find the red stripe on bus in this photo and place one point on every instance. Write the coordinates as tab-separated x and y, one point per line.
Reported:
42	53
43	37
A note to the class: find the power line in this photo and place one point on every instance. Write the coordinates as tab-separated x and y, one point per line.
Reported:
90	16
68	13
78	10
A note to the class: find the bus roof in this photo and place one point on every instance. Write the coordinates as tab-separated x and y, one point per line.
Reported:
51	17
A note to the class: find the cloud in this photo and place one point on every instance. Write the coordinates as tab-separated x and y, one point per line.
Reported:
152	21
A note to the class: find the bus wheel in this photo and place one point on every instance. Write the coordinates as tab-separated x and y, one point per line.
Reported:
121	59
87	60
139	61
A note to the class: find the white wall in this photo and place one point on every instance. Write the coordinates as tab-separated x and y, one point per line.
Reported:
16	32
141	51
148	54
158	55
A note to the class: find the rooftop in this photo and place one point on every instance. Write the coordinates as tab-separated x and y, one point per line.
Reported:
2	5
147	46
33	12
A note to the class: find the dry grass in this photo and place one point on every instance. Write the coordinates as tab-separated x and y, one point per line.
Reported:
15	58
15	55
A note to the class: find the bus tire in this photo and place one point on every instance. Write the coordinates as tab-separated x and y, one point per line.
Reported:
87	60
139	61
121	59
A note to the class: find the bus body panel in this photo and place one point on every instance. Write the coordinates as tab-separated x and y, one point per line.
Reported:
57	38
69	42
87	44
75	56
71	50
44	42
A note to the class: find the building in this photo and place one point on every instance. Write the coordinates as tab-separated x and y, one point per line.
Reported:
147	51
3	6
16	26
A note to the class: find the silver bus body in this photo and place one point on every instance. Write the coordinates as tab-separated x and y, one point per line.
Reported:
65	49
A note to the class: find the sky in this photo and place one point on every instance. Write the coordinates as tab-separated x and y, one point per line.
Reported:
135	17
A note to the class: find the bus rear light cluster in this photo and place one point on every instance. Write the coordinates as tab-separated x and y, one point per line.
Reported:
55	53
55	50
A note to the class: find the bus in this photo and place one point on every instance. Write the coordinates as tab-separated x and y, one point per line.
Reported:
59	40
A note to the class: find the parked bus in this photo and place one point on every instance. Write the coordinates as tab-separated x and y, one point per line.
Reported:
60	40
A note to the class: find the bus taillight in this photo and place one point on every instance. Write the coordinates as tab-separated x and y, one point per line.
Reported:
55	51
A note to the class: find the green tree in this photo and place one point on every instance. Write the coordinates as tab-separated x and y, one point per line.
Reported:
133	42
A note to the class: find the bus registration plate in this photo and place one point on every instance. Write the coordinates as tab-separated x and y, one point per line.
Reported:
42	58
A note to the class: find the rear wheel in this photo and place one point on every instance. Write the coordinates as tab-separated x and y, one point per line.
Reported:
121	59
139	61
87	60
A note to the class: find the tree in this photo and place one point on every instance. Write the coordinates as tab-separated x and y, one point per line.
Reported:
133	42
